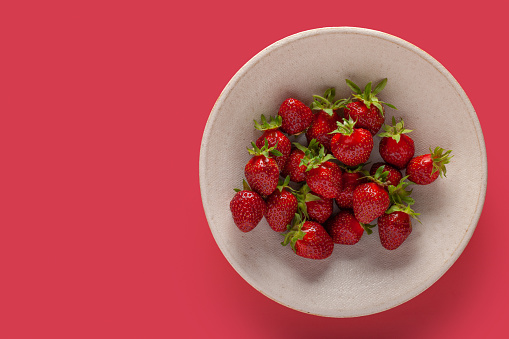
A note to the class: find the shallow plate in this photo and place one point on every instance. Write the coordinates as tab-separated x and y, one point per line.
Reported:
365	278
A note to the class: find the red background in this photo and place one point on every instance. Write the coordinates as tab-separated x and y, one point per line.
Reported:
103	105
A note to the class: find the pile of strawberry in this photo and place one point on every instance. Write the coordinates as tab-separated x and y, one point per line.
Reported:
331	168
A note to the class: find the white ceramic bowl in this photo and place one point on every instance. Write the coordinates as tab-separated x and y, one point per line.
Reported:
365	278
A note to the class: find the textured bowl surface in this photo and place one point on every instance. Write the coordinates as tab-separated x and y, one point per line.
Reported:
365	278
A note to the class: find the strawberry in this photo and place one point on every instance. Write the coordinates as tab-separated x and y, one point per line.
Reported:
396	148
350	180
345	229
394	174
281	207
276	139
425	169
293	166
313	206
367	110
395	227
352	146
247	208
371	200
309	239
322	176
296	117
262	172
325	121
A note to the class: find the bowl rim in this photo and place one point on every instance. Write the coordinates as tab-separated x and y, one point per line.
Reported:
381	35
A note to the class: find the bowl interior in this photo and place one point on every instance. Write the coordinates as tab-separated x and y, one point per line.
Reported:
364	278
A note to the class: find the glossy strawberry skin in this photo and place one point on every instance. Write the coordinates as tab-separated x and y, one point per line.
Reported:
284	145
295	115
262	174
344	228
292	167
281	208
325	180
370	201
367	118
316	244
322	125
319	210
395	153
419	170
247	209
349	182
394	229
354	149
394	173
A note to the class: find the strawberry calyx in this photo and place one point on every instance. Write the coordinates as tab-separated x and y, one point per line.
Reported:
440	159
245	186
304	195
326	102
380	176
265	125
368	96
346	127
355	169
265	150
295	232
395	130
399	195
405	209
367	227
312	160
285	183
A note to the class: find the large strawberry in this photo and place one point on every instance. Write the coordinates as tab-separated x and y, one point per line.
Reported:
322	176
351	178
262	172
394	174
313	206
425	169
366	109
281	207
309	239
276	139
296	117
395	227
325	121
396	148
352	146
345	229
371	200
247	208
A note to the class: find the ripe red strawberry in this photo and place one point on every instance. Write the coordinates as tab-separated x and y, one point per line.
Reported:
295	115
309	240
325	121
350	180
395	226
352	146
371	200
394	176
425	169
276	139
313	206
281	207
261	171
396	148
367	110
345	229
323	176
247	208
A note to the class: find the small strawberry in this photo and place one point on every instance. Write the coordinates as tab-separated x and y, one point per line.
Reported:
281	207
367	110
345	229
394	174
325	121
371	200
247	208
293	166
296	117
309	239
395	227
352	146
396	148
351	178
313	206
262	172
322	176
425	169
275	138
